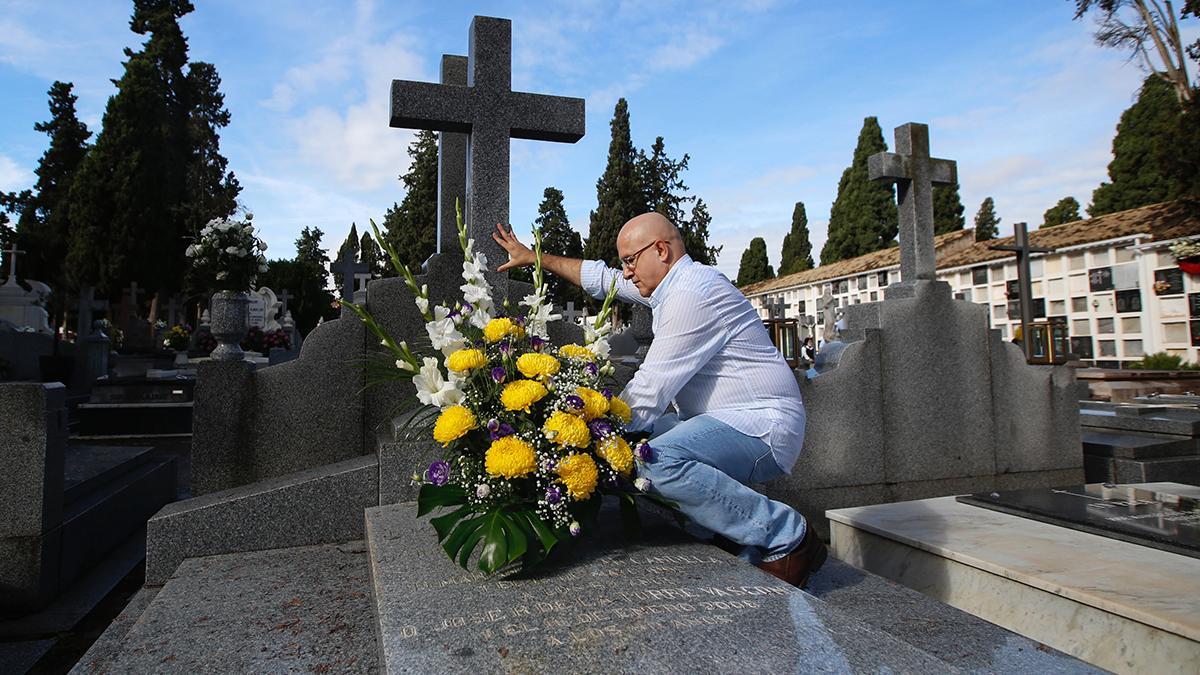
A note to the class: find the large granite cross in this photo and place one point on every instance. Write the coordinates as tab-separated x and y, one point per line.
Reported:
915	174
12	252
349	267
452	163
491	113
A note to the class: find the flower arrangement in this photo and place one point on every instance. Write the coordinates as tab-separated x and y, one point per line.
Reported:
532	436
229	254
1186	250
258	340
177	338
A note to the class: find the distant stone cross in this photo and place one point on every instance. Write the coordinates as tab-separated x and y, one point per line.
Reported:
349	267
12	252
283	299
1021	247
572	315
491	113
915	174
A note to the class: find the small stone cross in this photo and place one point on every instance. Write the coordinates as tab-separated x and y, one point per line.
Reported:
129	302
572	315
283	299
12	252
915	174
87	305
349	267
1021	247
361	280
491	113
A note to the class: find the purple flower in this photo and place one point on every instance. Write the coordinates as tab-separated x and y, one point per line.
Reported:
520	321
600	427
439	473
493	425
505	347
553	494
575	528
644	451
606	392
466	310
501	431
591	369
499	373
574	402
537	343
454	313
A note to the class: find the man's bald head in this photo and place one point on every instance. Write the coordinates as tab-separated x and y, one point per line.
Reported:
650	227
648	245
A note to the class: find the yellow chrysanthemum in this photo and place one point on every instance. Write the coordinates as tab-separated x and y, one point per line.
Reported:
453	423
466	359
579	473
565	429
521	394
510	457
620	409
577	352
498	329
537	365
617	453
594	403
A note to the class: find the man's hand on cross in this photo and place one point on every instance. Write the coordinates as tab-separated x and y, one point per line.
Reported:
519	255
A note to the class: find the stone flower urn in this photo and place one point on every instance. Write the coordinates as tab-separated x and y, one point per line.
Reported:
228	324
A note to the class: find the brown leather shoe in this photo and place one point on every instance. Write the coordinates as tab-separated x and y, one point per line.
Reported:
797	566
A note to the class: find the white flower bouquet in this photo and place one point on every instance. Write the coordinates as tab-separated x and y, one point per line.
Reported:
228	254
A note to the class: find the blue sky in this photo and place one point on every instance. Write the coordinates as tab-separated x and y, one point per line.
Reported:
766	97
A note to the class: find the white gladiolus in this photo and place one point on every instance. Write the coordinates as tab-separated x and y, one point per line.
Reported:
443	334
422	304
404	365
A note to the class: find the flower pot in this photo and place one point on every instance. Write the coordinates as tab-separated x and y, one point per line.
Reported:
228	324
181	358
1190	266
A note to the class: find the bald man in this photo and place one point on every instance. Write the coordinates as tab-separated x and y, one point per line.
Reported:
738	419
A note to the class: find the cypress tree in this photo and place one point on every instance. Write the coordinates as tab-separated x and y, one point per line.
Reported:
619	195
695	235
212	189
754	266
662	185
559	238
44	227
947	209
987	225
372	255
864	216
349	247
1137	174
1065	211
797	249
411	226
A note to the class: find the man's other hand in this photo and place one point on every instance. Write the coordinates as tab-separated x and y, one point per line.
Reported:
519	255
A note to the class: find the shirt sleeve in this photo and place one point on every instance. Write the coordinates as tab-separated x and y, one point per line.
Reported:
596	278
685	339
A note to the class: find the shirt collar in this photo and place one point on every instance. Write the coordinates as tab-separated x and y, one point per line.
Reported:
664	287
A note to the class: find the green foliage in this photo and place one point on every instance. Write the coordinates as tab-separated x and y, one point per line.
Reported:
754	266
987	224
695	235
1163	361
507	534
797	249
371	255
947	209
619	193
661	181
305	279
43	229
155	174
1065	211
349	248
864	217
560	239
1146	135
411	226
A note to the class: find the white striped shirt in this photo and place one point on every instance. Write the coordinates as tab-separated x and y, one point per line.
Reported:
711	355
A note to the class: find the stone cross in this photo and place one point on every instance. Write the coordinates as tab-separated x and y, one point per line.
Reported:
283	300
1021	247
361	279
915	174
452	164
173	307
572	315
491	113
87	305
349	267
129	302
12	252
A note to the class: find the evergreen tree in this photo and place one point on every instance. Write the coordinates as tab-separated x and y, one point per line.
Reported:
754	266
1065	211
349	248
44	226
619	195
1137	173
305	278
308	247
695	235
411	226
8	236
559	238
947	209
155	171
864	217
662	184
372	255
987	225
797	249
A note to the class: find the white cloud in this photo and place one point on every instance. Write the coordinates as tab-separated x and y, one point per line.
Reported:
13	177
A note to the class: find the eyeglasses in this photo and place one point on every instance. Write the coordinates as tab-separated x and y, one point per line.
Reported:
630	260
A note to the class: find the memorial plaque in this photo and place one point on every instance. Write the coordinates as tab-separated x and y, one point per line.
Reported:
1100	279
1194	305
979	276
1039	309
662	603
1012	289
1172	277
1159	518
1129	301
1081	346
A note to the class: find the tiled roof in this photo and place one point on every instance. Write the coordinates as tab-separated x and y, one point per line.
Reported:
1163	222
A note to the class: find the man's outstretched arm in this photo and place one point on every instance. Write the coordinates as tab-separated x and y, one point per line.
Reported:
520	255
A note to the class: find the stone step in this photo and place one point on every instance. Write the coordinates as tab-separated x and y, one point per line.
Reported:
98	658
87	468
303	609
666	604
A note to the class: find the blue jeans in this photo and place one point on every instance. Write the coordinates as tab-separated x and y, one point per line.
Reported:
705	467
